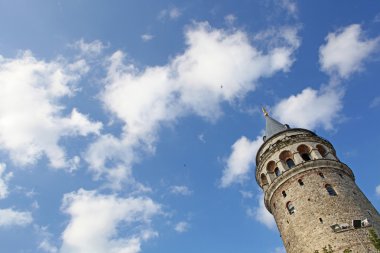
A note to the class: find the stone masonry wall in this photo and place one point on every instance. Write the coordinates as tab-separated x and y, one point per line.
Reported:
303	231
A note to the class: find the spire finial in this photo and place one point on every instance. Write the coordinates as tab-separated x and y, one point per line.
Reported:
264	111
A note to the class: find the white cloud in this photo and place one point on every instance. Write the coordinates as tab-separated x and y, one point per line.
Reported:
377	18
279	250
33	121
10	217
378	190
4	178
241	160
106	223
89	48
217	66
45	243
290	6
230	19
201	137
261	214
310	108
346	50
375	102
147	37
182	227
180	190
171	13
246	194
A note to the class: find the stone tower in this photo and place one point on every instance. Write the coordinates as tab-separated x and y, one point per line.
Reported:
311	193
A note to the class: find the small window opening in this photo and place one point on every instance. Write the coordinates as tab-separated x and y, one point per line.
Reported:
306	157
274	205
300	182
322	150
290	163
321	220
369	213
321	175
277	172
330	190
284	194
341	176
290	207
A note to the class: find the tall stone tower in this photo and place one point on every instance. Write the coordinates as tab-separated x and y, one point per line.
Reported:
311	193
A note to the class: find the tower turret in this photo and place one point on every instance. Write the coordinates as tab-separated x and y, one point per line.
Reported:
311	193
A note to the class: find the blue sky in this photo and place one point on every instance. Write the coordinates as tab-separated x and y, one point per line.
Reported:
132	126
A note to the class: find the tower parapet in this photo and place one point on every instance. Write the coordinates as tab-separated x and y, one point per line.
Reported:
311	193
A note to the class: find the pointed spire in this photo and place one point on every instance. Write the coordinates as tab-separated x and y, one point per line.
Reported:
272	126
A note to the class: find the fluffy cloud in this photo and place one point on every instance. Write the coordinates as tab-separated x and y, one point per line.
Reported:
341	56
261	214
240	161
182	227
33	119
171	13
180	190
230	19
345	51
217	66
10	217
106	223
89	48
147	37
310	108
290	6
4	178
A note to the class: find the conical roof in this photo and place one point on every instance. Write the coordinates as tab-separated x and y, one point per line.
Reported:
272	126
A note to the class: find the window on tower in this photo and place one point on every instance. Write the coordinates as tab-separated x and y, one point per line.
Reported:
290	163
330	190
264	180
306	157
322	150
300	182
304	151
284	194
277	172
290	207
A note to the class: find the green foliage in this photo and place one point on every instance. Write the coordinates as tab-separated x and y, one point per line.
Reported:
327	249
375	240
347	251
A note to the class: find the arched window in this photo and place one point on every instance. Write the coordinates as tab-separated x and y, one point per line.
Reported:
300	182
284	194
270	168
290	207
264	180
330	190
306	157
285	156
277	172
290	163
322	150
304	151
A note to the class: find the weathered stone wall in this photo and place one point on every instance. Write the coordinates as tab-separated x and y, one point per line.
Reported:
303	231
308	228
